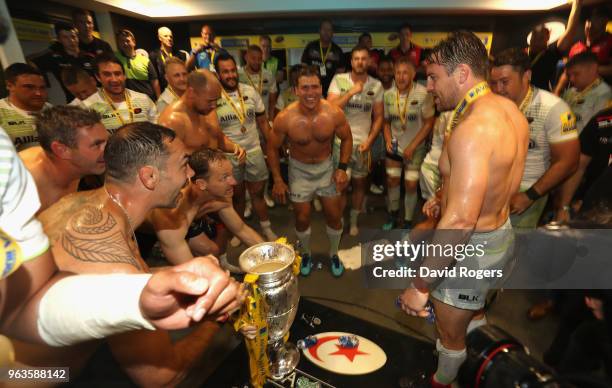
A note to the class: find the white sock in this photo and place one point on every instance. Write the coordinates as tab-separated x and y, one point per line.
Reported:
353	217
393	196
449	362
334	237
476	323
266	226
304	239
410	200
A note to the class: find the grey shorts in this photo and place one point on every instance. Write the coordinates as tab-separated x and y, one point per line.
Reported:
306	180
359	163
254	168
469	292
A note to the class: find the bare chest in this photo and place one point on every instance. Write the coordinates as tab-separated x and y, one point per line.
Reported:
305	130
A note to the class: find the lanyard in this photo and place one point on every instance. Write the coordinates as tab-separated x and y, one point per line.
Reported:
402	114
260	89
164	57
324	57
472	95
527	100
173	92
115	111
241	113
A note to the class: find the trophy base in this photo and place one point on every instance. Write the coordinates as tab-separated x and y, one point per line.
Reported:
284	358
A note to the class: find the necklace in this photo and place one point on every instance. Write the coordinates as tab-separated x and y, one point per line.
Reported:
124	212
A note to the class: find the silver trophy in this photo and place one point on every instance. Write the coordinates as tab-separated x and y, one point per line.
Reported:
273	262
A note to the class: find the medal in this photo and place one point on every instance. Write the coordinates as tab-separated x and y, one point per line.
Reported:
402	113
128	102
240	112
260	88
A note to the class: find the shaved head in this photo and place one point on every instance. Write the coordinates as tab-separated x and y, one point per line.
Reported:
163	30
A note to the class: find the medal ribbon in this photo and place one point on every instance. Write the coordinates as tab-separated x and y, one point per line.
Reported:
240	113
126	96
472	95
260	89
579	96
173	92
402	114
526	101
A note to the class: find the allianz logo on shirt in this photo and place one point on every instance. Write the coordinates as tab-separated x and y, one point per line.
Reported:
20	140
359	106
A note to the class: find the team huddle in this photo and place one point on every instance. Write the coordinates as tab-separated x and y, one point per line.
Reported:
116	172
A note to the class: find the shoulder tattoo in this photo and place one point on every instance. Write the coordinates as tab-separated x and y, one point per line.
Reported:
88	239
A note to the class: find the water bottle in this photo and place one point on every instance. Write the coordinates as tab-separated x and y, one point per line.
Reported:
394	146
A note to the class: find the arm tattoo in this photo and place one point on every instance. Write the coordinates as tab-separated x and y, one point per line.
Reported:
84	243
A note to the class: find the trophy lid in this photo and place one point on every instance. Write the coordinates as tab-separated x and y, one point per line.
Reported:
253	258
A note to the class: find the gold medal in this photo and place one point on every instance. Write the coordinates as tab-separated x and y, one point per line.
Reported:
239	111
116	113
402	112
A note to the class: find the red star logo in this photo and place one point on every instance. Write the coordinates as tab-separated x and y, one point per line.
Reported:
350	353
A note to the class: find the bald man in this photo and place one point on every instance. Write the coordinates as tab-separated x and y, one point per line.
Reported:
193	116
166	50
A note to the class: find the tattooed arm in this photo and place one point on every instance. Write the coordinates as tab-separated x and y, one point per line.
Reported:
92	239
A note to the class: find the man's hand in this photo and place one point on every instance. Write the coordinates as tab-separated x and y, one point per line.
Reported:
176	297
413	302
389	147
279	191
248	331
240	154
431	208
364	147
519	203
356	89
340	179
408	153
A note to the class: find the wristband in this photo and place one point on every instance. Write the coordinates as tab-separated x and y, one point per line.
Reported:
342	166
532	194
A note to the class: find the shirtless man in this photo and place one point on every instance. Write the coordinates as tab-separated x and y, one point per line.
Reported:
199	224
481	166
310	125
193	116
72	142
93	232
